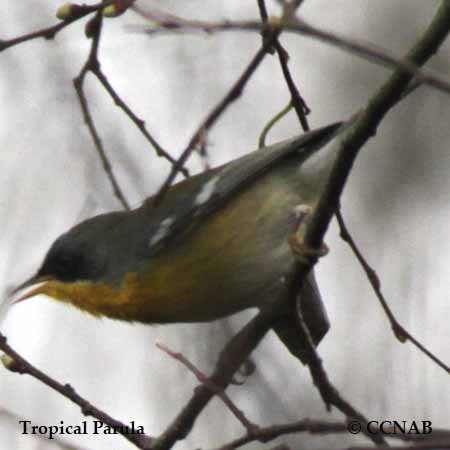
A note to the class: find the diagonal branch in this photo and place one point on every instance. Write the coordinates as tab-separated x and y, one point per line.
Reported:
16	420
202	378
199	135
302	426
17	363
365	50
95	27
140	124
297	101
365	123
50	32
400	332
231	359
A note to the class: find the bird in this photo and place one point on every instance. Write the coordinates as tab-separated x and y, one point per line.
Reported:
215	244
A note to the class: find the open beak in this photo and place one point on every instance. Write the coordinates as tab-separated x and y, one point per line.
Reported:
33	281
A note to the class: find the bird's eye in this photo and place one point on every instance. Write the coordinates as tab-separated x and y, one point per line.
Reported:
68	261
65	264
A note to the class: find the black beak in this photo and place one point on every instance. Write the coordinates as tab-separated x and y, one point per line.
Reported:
34	280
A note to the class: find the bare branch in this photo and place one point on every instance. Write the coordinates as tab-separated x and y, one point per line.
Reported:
297	101
364	124
50	32
302	426
15	419
202	378
368	51
22	366
231	358
398	330
140	124
199	136
92	62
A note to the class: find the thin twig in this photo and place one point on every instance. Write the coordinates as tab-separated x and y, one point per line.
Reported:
268	126
202	378
231	358
398	330
363	125
91	63
22	366
297	101
328	392
50	32
351	138
368	51
246	340
140	124
299	104
199	135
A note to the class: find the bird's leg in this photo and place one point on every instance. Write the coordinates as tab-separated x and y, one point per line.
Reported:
306	321
302	252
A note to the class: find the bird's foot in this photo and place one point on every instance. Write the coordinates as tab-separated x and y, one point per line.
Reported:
301	251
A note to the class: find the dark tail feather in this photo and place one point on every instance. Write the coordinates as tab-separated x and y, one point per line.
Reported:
314	316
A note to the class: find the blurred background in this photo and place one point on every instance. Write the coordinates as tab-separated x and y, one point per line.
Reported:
396	205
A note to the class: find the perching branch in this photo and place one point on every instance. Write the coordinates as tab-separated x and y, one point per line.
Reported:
364	125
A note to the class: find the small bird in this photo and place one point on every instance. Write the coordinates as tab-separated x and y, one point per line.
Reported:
216	244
